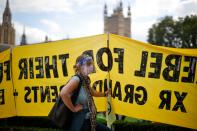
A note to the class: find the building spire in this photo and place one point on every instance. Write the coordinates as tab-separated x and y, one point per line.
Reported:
7	14
105	10
121	4
46	39
129	11
119	8
23	38
7	3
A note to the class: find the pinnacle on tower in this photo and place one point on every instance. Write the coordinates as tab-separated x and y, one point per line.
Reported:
105	10
129	11
7	13
46	39
23	38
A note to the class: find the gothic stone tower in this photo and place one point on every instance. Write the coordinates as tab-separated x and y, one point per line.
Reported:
117	23
7	32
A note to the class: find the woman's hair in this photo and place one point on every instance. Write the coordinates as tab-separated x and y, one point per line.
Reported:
81	60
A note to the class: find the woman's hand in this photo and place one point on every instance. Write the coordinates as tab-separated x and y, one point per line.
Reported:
78	108
108	92
99	94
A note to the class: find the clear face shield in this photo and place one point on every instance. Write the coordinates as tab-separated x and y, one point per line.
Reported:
88	65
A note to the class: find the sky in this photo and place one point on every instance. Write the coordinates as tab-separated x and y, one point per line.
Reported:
62	19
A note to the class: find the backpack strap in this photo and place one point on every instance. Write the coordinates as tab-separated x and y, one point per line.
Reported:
80	80
76	92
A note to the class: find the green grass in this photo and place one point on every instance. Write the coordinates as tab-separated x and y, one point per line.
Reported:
28	129
42	124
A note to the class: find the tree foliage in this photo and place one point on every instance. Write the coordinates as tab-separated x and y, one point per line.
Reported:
181	33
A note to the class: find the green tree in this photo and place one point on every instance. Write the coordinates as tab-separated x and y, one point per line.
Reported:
174	33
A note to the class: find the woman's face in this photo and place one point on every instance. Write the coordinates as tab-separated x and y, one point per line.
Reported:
88	68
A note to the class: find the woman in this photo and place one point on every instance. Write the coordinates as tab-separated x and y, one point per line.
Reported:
84	109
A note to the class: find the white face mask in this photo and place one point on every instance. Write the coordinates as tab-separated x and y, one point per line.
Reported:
87	69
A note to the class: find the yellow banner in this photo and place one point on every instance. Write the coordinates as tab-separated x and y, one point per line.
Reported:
154	83
41	69
7	104
148	82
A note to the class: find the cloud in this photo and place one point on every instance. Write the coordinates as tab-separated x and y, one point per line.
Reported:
52	26
85	16
38	6
87	3
186	7
91	27
82	2
37	35
54	30
159	8
147	12
34	35
140	29
153	8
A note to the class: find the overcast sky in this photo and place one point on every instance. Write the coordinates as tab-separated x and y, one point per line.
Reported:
60	19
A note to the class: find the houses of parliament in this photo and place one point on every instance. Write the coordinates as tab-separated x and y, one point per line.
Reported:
115	23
